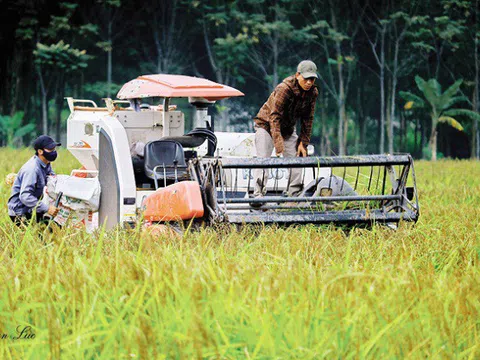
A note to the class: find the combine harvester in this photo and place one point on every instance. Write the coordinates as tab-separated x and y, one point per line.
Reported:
148	168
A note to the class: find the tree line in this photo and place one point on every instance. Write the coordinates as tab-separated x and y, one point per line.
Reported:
395	76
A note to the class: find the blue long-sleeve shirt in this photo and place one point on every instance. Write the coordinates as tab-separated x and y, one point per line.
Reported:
28	188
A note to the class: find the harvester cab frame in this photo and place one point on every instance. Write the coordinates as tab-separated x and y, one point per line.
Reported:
150	169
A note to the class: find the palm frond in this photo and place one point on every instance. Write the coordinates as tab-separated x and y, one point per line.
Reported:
428	91
435	85
24	130
453	100
449	93
451	121
463	112
418	102
16	119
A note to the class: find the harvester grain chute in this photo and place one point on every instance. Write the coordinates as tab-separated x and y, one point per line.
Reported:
149	169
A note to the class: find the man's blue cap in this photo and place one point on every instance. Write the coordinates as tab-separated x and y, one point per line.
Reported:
45	142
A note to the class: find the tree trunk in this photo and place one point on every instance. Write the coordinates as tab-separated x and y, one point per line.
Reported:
13	110
17	62
475	150
322	140
109	73
433	142
473	145
275	54
341	113
382	93
423	137
417	130
402	130
345	128
341	92
56	116
392	104
44	93
478	142
361	120
477	85
357	140
323	134
389	120
59	106
44	114
109	60
211	56
274	82
439	52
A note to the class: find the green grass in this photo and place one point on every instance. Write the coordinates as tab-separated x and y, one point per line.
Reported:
307	292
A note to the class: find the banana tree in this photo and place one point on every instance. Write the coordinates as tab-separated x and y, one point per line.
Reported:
440	105
13	130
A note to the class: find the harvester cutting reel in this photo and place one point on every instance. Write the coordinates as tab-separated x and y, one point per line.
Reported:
364	189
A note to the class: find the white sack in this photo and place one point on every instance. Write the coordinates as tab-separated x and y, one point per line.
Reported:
78	193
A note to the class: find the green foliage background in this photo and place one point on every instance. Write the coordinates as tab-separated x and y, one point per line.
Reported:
365	51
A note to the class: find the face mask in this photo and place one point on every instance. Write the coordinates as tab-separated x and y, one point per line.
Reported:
50	156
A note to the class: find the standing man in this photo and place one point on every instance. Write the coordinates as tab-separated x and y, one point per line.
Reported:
30	182
292	100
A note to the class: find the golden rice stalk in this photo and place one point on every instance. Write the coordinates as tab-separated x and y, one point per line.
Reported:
10	179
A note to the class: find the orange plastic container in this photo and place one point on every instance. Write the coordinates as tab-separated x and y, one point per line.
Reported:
180	201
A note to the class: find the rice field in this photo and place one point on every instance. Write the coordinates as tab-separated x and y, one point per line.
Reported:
258	293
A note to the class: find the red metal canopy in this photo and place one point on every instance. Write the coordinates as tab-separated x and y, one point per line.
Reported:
164	85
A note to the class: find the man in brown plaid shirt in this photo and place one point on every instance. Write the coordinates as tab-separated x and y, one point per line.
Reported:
292	100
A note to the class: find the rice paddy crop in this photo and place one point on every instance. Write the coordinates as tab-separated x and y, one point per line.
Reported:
256	293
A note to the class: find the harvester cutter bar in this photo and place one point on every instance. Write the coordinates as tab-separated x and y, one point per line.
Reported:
341	217
280	199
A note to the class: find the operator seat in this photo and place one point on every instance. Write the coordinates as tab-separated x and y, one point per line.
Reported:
165	160
195	138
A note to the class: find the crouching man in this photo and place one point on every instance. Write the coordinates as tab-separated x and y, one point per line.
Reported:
275	124
28	187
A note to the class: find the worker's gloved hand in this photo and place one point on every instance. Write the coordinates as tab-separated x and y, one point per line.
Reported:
52	211
301	151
